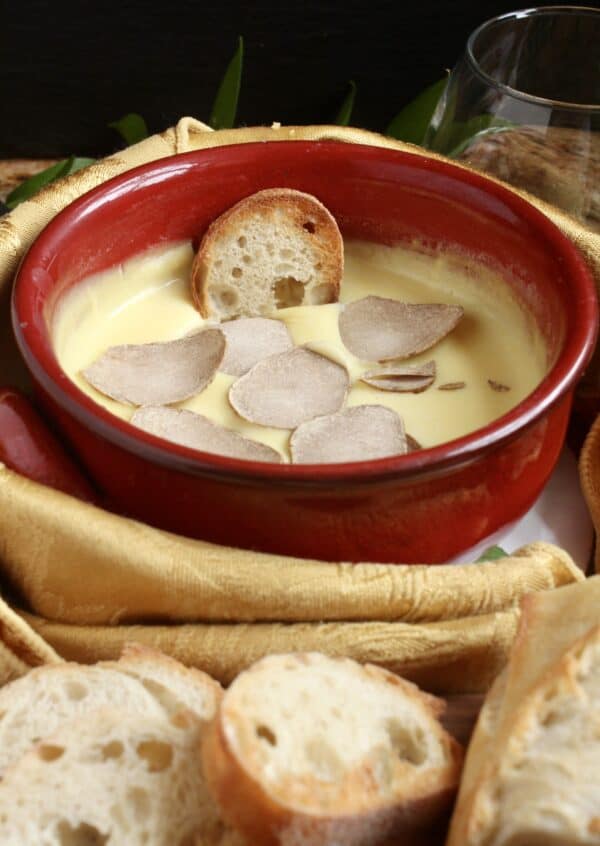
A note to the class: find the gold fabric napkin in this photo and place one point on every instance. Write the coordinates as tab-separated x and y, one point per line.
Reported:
95	581
86	581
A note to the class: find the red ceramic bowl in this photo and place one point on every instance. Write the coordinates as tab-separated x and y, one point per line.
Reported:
426	506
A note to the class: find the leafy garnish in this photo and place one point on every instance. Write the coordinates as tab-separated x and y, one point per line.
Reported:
132	128
345	113
411	122
35	183
492	553
75	163
224	108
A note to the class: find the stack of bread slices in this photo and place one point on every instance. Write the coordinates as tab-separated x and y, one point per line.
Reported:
302	749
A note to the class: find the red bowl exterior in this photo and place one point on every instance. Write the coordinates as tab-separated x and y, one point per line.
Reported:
426	506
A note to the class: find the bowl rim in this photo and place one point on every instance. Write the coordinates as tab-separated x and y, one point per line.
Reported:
36	348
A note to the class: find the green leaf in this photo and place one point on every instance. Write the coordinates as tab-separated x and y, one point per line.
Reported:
226	102
410	124
492	553
76	163
345	112
31	186
132	128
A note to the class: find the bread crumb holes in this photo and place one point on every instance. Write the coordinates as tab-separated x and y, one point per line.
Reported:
288	292
407	743
112	750
265	733
49	753
76	691
158	756
226	297
69	835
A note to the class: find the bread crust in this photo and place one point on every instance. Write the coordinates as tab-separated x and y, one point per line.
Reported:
143	662
300	210
265	819
136	654
477	811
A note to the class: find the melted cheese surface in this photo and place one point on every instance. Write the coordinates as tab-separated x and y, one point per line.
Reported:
148	299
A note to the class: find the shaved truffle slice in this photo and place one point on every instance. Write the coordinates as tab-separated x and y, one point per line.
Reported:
249	340
380	329
360	433
198	432
497	386
161	373
287	389
452	386
406	378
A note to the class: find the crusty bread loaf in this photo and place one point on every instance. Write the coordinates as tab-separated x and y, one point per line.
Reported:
317	751
556	619
143	681
274	249
111	779
542	788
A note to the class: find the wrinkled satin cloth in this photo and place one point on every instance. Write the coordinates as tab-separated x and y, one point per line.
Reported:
83	581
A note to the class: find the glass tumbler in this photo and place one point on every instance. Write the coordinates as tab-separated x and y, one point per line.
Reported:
523	104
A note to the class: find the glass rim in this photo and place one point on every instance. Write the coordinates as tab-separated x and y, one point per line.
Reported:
533	11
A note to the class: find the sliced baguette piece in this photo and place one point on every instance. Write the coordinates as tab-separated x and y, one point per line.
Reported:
543	787
35	705
112	779
274	249
312	750
143	681
556	619
170	682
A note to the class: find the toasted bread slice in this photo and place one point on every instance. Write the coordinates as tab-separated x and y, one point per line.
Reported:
274	249
112	779
307	749
542	788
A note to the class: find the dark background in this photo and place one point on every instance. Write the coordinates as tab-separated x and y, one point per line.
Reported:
69	68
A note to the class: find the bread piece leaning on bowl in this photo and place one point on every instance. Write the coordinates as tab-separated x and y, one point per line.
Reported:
532	773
